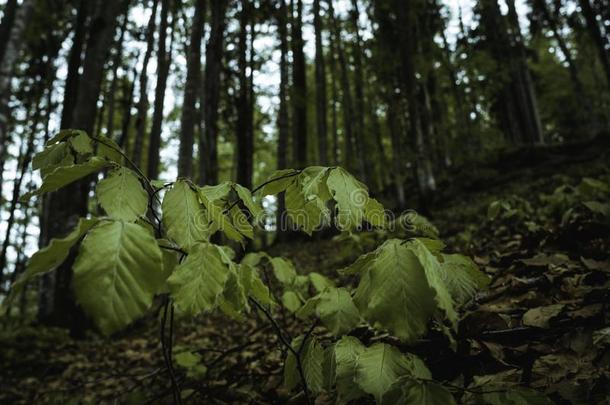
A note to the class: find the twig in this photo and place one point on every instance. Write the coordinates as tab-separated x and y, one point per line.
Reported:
167	351
288	346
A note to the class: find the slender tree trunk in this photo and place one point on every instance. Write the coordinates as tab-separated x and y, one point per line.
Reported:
572	68
334	100
12	44
213	69
27	149
6	26
321	102
143	103
243	135
74	63
346	95
283	119
408	36
70	203
525	78
116	61
163	63
299	83
360	138
191	93
398	167
596	34
129	88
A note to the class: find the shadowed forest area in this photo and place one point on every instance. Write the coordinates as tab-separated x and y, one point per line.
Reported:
305	201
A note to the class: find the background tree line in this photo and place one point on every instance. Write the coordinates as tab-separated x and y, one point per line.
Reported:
396	91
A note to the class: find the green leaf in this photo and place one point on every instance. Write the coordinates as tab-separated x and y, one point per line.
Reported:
51	157
198	282
351	196
307	213
392	277
234	297
108	149
246	198
291	301
337	311
279	181
408	390
283	270
116	274
312	361
81	143
220	219
50	257
463	277
380	366
516	396
122	196
184	218
64	175
320	282
192	363
436	276
347	350
253	285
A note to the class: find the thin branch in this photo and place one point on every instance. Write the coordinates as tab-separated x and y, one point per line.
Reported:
288	346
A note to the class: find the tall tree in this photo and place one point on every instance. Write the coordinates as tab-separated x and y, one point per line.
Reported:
299	84
283	119
13	26
163	63
321	101
244	135
346	93
143	98
114	78
598	39
192	87
208	171
70	203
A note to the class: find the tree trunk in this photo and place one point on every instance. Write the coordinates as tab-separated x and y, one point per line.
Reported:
163	63
243	135
143	103
360	138
74	63
593	27
70	203
27	149
191	93
208	171
129	88
334	100
283	119
12	47
346	95
321	102
116	61
6	26
299	93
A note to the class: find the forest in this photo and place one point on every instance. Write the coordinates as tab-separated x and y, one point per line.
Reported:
305	202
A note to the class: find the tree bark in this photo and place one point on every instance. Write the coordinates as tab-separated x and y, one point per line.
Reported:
346	95
283	119
299	93
12	48
596	35
243	127
191	93
208	171
6	26
321	101
116	62
163	63
143	103
70	203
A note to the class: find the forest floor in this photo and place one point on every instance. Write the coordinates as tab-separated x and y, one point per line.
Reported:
536	221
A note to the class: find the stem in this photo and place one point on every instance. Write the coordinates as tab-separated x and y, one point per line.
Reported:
286	343
167	351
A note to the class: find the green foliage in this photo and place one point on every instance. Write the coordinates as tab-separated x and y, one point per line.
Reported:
122	196
309	191
127	258
117	273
